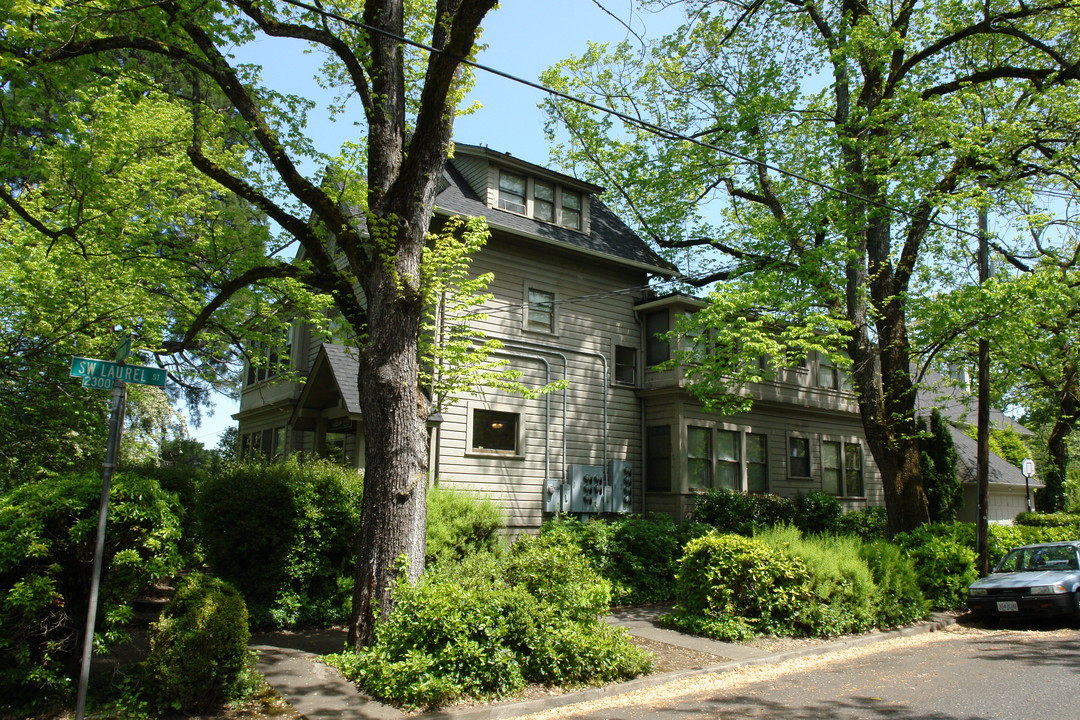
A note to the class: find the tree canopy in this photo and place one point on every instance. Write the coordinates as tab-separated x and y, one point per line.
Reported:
823	161
361	229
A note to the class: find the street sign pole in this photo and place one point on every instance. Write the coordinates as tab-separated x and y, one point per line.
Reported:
112	452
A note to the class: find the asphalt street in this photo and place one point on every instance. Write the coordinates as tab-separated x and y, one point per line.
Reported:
968	674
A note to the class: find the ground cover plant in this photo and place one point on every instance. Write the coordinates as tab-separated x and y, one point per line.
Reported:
489	625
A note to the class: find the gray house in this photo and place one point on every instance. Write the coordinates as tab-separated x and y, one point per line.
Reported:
572	300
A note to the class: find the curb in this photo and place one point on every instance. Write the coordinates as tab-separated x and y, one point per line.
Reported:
331	696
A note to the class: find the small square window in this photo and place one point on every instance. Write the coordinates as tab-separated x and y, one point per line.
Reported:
495	432
541	310
625	365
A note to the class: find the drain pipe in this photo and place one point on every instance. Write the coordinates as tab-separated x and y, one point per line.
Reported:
547	404
539	347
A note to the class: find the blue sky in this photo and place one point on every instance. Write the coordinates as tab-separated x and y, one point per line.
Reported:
524	38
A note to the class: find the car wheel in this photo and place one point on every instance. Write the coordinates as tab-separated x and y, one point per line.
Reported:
990	621
1076	608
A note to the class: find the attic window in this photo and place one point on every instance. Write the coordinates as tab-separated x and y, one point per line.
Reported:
541	200
511	192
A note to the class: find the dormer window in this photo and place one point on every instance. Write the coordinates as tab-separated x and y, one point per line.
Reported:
571	210
541	200
512	192
544	201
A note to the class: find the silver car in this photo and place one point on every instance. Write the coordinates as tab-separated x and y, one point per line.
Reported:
1033	580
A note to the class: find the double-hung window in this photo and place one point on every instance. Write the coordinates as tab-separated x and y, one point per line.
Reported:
799	457
541	310
729	459
699	458
842	468
512	192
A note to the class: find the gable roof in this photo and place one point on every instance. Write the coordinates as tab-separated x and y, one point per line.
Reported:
957	404
999	471
333	376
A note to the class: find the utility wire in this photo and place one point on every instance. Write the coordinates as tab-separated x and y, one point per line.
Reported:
657	130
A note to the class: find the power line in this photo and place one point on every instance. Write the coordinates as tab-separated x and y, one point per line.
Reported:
657	130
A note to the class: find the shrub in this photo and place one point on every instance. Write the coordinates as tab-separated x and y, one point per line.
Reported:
731	511
945	566
459	524
817	512
731	587
870	523
843	593
47	537
1046	520
198	647
488	625
637	555
284	534
899	600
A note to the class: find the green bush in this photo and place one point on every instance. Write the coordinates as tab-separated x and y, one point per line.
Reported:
945	564
900	600
870	523
198	647
731	511
1045	520
459	524
284	534
487	626
47	536
817	512
637	555
843	593
731	587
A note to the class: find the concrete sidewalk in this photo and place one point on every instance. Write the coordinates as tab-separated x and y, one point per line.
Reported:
290	663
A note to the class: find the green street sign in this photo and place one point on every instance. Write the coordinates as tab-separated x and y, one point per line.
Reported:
107	370
123	350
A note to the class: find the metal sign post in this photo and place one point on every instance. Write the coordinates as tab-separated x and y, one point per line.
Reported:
116	426
1029	472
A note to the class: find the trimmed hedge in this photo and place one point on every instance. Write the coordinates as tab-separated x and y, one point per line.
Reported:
284	534
1046	520
198	647
730	587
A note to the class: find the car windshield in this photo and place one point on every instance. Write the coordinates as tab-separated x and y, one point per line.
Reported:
1055	557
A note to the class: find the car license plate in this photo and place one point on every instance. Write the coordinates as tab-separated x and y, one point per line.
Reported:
1007	606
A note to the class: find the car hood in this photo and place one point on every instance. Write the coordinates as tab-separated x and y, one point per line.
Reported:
1028	579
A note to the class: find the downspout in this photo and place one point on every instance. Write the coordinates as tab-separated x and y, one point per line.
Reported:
547	403
538	347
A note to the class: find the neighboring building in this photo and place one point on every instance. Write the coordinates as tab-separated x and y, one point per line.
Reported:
571	300
1009	491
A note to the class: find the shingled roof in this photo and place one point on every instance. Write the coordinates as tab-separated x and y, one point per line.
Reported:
608	236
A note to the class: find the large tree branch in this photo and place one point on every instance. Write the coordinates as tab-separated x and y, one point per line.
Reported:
324	37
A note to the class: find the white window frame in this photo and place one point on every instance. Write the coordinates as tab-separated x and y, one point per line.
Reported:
518	453
526	324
